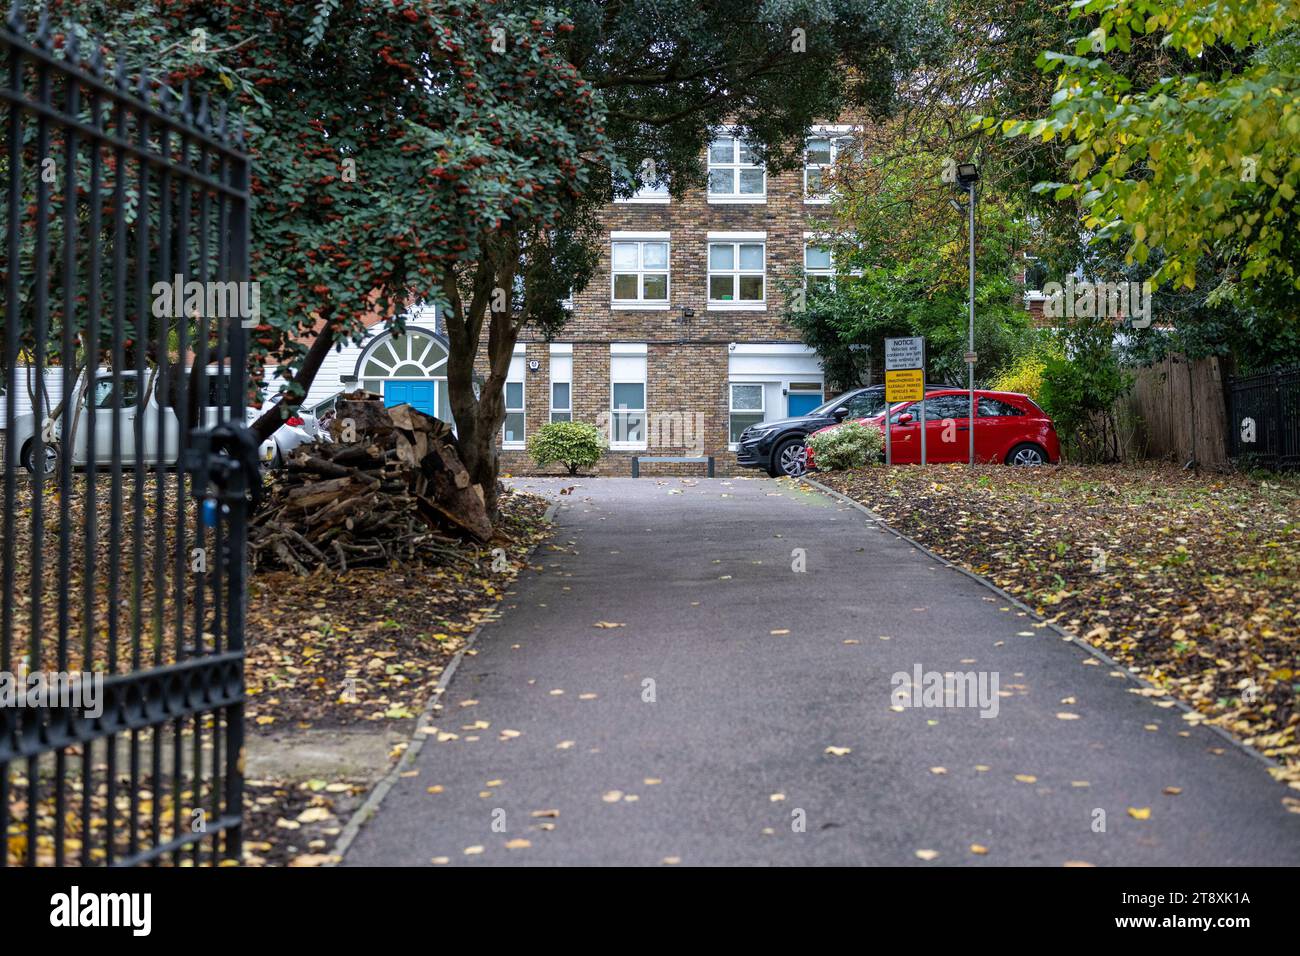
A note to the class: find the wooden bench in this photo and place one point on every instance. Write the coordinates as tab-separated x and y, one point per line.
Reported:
674	459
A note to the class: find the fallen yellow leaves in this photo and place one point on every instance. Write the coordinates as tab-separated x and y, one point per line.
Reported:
927	855
838	751
1140	813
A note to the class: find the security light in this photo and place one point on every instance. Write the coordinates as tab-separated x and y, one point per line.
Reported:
967	173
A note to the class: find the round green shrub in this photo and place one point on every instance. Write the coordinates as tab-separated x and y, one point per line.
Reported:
573	444
850	445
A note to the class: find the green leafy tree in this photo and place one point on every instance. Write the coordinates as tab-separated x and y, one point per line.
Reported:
403	150
1198	160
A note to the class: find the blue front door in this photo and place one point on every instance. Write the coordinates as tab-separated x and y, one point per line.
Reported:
801	403
419	395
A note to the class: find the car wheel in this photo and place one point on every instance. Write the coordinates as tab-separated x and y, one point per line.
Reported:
1027	453
789	458
51	458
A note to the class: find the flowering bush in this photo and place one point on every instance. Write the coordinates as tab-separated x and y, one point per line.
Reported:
850	445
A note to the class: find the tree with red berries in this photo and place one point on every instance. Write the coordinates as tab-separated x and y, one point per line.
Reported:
455	152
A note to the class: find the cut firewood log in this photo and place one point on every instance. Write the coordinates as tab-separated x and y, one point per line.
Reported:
390	488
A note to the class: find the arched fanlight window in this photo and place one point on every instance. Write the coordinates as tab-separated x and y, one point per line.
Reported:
417	354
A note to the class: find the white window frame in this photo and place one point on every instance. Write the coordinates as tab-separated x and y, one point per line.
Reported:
735	240
812	239
518	374
732	411
834	135
555	409
1031	295
640	303
734	166
649	194
560	354
623	350
521	410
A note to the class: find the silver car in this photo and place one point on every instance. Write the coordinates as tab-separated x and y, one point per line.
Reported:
159	428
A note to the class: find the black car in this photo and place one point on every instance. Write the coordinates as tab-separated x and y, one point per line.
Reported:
779	446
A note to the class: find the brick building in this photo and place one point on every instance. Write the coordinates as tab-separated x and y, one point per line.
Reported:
678	344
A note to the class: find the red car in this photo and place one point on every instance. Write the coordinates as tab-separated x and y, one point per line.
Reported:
1009	428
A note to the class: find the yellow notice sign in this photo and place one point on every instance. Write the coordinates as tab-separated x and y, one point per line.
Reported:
904	385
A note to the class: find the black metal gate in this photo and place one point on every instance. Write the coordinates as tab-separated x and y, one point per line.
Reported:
121	662
1265	418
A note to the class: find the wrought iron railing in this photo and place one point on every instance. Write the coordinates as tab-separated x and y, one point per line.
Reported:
119	566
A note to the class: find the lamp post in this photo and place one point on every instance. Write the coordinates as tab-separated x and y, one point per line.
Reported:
968	175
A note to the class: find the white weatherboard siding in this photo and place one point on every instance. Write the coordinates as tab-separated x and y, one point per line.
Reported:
21	397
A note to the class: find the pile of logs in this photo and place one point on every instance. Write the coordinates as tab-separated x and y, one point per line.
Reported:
389	488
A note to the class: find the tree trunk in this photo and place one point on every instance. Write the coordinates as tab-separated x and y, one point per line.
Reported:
479	420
